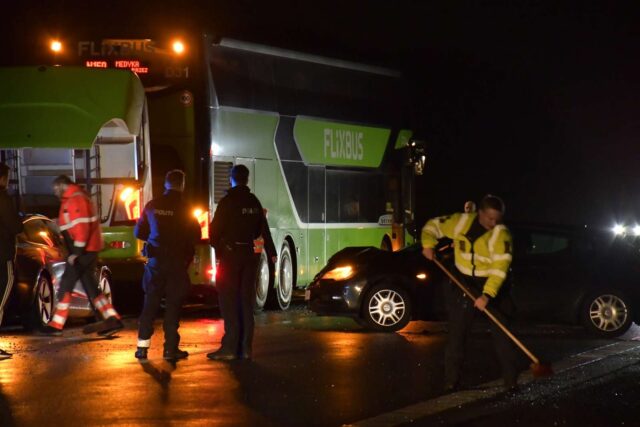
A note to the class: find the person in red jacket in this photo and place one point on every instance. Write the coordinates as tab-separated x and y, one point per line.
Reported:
80	227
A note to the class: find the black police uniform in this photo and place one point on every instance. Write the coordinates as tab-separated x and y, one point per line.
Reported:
171	233
238	221
10	226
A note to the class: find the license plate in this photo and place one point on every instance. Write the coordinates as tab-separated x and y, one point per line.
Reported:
307	295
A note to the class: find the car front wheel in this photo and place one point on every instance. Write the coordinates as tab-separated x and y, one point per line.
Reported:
386	308
606	313
43	304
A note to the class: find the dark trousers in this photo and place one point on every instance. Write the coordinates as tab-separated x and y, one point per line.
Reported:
168	279
83	269
6	283
236	287
461	316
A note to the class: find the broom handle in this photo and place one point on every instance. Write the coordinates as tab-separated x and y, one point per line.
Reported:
488	313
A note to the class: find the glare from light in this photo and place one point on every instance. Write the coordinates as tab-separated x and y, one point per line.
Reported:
197	212
56	46
636	230
421	276
178	47
618	229
126	193
215	149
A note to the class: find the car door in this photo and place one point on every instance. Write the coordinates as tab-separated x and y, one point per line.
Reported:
543	273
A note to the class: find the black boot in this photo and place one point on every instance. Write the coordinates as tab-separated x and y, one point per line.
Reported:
111	326
141	353
221	355
50	331
176	354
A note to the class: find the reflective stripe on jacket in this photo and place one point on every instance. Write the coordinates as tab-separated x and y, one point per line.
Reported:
78	218
489	256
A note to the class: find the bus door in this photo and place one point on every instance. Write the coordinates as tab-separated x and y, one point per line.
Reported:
316	226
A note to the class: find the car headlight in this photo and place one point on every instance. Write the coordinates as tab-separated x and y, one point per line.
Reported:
339	273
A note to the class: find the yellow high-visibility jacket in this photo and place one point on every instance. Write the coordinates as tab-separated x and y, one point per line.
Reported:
489	256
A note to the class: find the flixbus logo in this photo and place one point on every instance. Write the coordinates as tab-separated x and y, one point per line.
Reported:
343	144
340	144
116	47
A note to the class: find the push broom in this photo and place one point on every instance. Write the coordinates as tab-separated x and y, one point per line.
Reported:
538	369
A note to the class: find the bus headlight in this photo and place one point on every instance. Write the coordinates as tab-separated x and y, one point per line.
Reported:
178	47
56	46
339	273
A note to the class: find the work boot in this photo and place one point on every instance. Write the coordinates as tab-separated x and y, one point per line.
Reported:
221	355
176	354
141	353
111	326
49	331
5	355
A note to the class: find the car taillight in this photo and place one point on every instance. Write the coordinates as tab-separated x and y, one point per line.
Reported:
118	244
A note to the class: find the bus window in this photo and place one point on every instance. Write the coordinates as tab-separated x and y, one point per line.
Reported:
355	196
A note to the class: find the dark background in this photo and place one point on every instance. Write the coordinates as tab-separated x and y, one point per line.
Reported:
536	101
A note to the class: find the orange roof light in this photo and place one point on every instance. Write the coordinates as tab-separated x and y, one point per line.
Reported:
178	47
56	46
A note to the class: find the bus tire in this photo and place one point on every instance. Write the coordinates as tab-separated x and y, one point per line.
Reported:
264	282
280	297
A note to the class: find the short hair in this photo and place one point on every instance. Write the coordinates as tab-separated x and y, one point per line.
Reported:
62	179
4	170
492	202
174	179
240	174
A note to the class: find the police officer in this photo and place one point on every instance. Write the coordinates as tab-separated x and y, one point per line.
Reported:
238	221
482	253
171	233
10	225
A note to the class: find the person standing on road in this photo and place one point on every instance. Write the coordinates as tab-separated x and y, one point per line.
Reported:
171	233
482	254
238	222
10	226
80	227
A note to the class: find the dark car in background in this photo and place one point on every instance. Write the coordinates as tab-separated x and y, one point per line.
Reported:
40	262
559	274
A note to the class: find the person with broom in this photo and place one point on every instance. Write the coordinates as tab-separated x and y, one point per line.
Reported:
482	255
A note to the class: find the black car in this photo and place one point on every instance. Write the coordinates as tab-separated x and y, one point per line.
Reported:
562	274
40	262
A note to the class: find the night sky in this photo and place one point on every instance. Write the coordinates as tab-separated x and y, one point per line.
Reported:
538	102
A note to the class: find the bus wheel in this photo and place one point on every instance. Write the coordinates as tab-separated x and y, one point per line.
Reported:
263	282
283	292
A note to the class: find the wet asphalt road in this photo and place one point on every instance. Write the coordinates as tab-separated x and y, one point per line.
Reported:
307	370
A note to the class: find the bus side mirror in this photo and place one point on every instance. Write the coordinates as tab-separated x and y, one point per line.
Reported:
417	156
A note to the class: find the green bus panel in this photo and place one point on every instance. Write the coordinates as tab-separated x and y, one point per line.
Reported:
123	233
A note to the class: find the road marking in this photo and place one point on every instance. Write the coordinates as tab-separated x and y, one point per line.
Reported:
493	388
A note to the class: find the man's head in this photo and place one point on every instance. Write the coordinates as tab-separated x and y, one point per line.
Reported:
239	175
174	180
491	211
469	206
60	185
4	175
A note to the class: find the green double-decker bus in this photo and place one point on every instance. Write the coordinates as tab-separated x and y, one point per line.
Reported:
325	140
